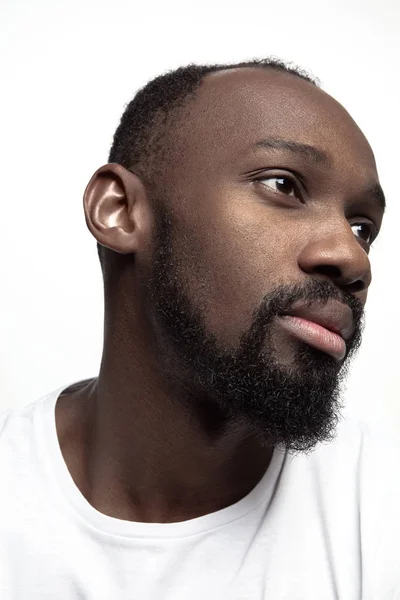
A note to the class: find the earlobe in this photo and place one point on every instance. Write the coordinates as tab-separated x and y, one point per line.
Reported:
113	205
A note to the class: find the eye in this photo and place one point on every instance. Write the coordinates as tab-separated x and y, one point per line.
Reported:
367	232
283	185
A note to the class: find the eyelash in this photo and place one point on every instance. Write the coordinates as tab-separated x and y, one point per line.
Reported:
373	232
289	178
373	229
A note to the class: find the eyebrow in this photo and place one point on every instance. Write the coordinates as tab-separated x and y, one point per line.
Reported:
316	155
375	191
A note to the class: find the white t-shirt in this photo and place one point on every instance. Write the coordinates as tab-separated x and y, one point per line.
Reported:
318	527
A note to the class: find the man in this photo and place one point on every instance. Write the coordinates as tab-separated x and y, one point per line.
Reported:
208	458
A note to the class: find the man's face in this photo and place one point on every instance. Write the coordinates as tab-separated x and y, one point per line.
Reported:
255	224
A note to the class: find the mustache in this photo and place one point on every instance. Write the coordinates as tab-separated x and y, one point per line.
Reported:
282	299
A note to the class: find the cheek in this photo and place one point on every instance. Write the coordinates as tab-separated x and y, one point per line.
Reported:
241	256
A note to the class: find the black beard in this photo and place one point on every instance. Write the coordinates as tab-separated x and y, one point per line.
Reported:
294	406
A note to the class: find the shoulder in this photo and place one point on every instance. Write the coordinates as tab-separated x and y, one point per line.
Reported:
27	438
375	447
18	426
354	482
367	454
19	459
361	464
17	435
357	439
22	430
16	421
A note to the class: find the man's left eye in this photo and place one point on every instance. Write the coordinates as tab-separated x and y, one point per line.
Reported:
284	185
365	231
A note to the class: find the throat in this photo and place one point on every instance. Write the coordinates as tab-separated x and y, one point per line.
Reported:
161	470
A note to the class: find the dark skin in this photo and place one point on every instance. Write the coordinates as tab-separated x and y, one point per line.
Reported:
134	448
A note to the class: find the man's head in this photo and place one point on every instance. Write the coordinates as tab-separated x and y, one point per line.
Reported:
248	195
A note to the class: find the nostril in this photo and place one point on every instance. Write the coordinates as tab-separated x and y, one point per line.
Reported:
336	275
331	271
356	286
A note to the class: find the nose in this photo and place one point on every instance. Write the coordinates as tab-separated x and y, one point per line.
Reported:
339	256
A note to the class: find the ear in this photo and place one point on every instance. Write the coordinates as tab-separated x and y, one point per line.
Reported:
116	209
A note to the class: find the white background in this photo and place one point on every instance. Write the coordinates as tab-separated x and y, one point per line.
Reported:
68	68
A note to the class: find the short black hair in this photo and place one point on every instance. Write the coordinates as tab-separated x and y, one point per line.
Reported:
138	139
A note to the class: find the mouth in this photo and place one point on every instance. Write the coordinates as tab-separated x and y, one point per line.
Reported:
315	335
325	327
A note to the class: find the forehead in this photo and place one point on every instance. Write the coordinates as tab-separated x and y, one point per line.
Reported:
233	110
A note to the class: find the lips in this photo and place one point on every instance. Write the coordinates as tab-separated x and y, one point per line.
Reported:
334	316
324	327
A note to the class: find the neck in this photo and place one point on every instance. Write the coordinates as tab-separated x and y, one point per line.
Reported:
139	453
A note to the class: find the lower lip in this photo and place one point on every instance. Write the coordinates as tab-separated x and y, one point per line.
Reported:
315	335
